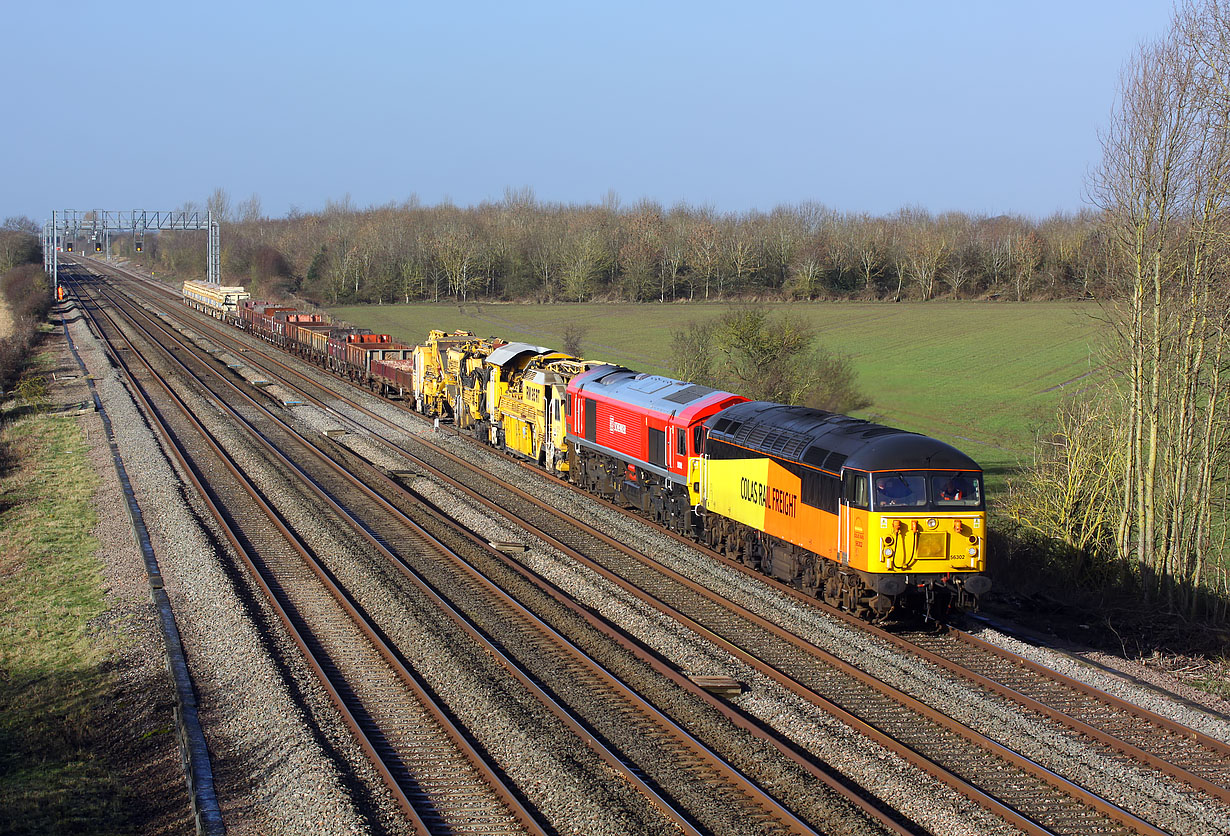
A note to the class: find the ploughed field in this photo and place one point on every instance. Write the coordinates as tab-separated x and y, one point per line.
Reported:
985	377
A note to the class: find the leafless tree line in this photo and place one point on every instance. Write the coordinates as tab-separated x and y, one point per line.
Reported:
523	249
1140	474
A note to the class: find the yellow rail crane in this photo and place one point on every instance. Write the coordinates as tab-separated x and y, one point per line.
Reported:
528	402
440	366
465	385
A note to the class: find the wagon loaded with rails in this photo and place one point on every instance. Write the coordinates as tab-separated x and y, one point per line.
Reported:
216	300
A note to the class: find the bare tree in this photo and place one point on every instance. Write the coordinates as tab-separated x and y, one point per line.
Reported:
573	337
785	231
739	253
807	271
1071	490
674	254
544	251
705	252
641	252
1025	258
585	256
457	249
926	250
249	211
21	223
1163	187
867	240
220	204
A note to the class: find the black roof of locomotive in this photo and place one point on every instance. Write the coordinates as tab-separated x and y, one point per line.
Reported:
830	441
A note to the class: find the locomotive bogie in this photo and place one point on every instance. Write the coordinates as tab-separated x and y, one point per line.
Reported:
662	499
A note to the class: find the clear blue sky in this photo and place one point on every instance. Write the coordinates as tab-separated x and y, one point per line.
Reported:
984	106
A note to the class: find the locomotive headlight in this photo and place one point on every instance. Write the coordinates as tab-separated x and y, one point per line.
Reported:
932	523
888	552
973	551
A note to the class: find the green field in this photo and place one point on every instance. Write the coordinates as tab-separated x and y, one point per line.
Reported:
982	376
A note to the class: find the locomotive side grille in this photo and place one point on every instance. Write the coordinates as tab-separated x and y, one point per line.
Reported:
835	461
690	393
657	447
591	419
754	437
794	447
782	443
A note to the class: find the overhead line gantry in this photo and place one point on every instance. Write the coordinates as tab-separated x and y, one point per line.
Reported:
100	223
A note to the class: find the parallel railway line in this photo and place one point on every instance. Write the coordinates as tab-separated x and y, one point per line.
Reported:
1194	759
438	779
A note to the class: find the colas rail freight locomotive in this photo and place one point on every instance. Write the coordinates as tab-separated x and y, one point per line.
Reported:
870	518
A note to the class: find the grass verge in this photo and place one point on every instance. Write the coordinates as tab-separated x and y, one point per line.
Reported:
54	676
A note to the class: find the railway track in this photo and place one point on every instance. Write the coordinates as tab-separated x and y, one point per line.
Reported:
668	754
1028	795
1193	759
438	779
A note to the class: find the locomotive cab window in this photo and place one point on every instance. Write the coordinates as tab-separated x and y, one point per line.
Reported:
956	490
854	488
900	490
681	441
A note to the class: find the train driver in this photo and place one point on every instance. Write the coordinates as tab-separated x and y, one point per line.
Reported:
894	490
956	489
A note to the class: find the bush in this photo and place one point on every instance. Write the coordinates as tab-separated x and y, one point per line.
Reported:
766	357
574	338
27	291
17	248
27	295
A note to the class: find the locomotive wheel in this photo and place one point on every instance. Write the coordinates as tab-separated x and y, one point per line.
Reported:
752	557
